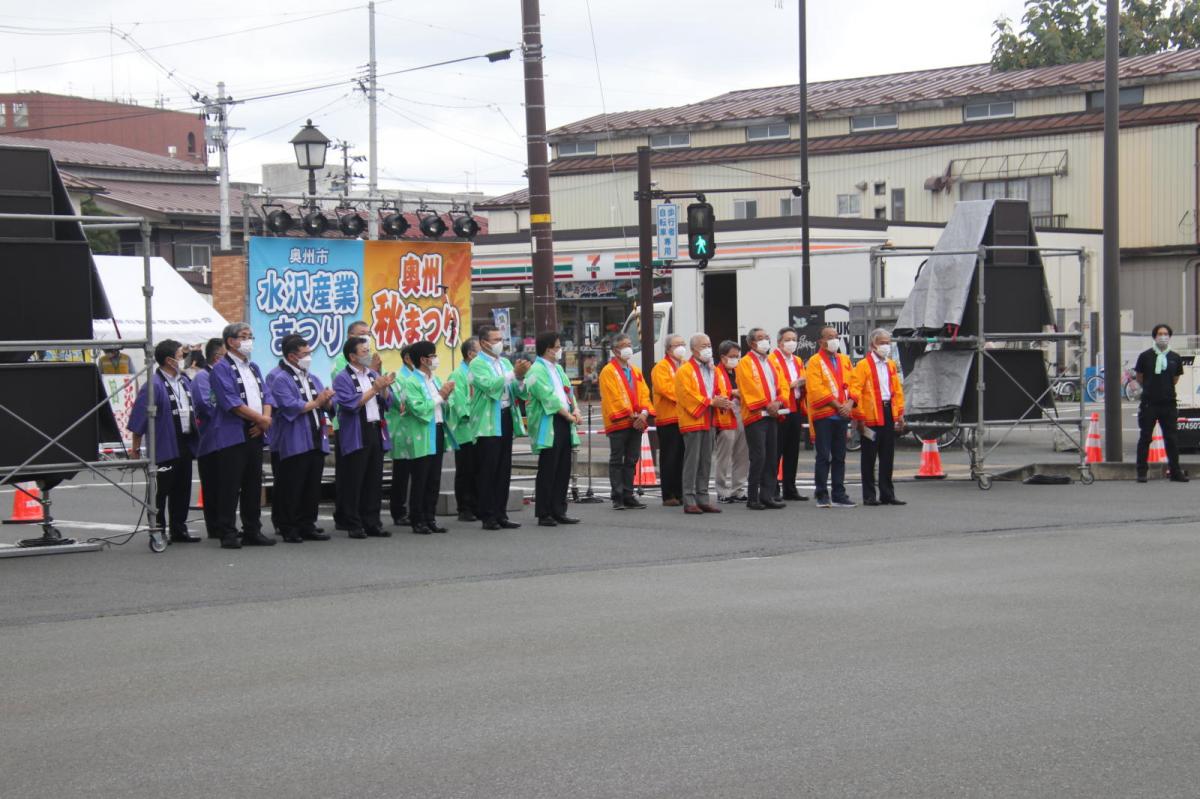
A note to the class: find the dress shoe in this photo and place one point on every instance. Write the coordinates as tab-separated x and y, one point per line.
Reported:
421	529
778	497
315	535
709	508
771	504
379	532
437	528
546	521
319	529
739	498
257	540
403	521
795	496
356	534
566	520
467	516
633	504
184	537
1176	477
491	526
692	509
293	538
671	503
509	525
231	542
754	504
894	501
871	502
1142	478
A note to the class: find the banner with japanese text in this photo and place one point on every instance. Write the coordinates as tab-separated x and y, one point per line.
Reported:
405	290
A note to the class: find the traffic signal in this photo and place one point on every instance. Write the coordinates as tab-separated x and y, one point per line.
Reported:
702	243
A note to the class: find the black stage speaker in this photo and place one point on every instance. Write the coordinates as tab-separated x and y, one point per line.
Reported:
26	187
51	397
47	294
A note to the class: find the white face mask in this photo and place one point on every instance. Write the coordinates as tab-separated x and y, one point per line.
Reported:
833	345
1163	342
304	363
705	355
763	346
554	354
497	348
789	347
679	352
364	360
433	364
625	353
246	346
731	363
884	350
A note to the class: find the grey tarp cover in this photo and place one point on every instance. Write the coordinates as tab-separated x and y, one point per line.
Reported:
939	296
937	382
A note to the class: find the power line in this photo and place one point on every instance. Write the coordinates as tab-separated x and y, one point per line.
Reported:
404	116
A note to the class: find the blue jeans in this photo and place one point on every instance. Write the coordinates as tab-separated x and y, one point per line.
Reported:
831	456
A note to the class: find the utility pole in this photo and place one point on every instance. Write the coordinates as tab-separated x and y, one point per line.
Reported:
373	134
646	260
1112	239
805	237
348	173
221	139
545	315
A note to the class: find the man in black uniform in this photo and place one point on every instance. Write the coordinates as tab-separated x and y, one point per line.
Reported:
1158	369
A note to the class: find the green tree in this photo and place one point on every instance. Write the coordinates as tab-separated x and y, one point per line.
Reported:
102	242
1069	31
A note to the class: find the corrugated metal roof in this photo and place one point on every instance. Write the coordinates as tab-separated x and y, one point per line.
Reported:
191	199
518	198
831	97
1138	116
112	156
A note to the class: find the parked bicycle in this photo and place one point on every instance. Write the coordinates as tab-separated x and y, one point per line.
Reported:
1131	389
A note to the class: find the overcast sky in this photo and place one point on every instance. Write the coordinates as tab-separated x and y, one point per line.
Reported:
438	125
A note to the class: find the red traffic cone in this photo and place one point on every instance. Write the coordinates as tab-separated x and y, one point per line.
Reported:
27	505
199	500
1095	454
645	474
1158	452
931	461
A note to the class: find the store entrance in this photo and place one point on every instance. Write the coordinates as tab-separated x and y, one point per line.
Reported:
720	306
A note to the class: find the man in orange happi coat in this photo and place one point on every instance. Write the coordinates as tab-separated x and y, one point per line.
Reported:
761	386
878	394
704	401
666	419
792	412
827	385
626	408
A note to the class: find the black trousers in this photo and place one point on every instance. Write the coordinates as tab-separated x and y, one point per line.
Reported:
1166	416
883	448
624	446
495	471
466	479
398	494
297	492
670	461
208	491
791	432
174	492
554	473
362	480
762	443
426	481
239	483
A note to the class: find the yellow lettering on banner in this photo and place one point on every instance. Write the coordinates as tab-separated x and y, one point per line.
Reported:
539	219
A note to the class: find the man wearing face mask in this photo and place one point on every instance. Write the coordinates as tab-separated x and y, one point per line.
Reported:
553	420
626	409
827	383
761	385
423	427
496	385
401	457
298	442
1158	369
878	395
791	412
704	401
730	455
666	421
466	479
357	329
363	397
204	402
174	439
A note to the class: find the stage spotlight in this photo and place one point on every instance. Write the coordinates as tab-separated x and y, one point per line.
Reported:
315	223
280	221
433	226
394	222
465	226
351	224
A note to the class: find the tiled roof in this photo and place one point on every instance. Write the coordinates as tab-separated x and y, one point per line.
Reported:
112	156
191	199
1138	116
831	97
514	199
76	183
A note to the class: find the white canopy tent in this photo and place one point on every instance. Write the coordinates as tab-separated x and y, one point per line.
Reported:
180	312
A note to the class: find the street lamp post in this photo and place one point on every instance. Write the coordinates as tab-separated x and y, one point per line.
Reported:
311	146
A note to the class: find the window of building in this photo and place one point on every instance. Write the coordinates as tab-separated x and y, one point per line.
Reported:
191	143
745	209
666	141
1038	191
3	116
20	114
881	213
576	148
873	122
193	255
880	189
979	111
849	205
789	206
763	132
897	205
1130	95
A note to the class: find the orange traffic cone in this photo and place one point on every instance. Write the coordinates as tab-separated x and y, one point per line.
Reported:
645	475
27	505
199	500
931	461
1158	452
1094	453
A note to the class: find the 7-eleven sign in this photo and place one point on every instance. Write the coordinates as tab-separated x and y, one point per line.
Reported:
602	266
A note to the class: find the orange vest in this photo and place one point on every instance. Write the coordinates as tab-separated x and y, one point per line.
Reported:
754	388
868	399
621	400
663	380
695	405
824	384
790	400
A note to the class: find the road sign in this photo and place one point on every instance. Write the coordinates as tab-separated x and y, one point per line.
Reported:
667	228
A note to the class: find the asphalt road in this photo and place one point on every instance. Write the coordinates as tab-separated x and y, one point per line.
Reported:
1026	641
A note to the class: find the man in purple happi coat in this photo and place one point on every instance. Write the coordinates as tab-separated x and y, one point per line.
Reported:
203	403
362	397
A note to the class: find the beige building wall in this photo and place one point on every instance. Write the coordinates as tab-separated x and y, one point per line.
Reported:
1172	92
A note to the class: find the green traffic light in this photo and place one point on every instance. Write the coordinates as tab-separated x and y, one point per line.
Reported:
701	246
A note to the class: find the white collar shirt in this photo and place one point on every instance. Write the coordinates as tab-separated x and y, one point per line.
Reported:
305	393
559	388
183	400
885	381
365	383
432	390
769	371
249	384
